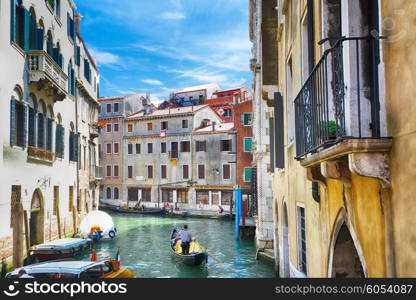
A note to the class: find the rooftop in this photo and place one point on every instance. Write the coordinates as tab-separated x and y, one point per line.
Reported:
167	112
218	127
199	88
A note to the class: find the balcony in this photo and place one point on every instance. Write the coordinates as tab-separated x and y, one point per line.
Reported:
96	173
47	74
40	155
94	132
337	111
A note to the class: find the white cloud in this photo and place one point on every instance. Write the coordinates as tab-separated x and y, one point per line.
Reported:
173	15
104	58
152	82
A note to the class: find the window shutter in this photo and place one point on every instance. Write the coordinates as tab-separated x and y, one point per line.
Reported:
78	55
62	141
39	39
41	131
76	147
49	135
26	30
68	24
33	35
72	75
279	131
71	146
272	144
32	127
12	122
13	20
24	139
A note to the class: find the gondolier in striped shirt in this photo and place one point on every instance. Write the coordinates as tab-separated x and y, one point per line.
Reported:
186	238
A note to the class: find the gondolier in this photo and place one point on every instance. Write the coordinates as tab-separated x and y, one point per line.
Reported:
186	238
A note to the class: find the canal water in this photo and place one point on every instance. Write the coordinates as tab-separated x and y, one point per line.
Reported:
144	248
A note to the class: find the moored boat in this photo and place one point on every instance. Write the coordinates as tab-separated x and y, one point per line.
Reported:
59	249
145	211
192	259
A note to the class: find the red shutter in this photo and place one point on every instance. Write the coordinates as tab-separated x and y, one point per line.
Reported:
185	171
130	171
226	172
164	175
150	172
201	171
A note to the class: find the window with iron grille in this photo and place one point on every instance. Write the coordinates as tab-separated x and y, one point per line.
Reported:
225	145
302	240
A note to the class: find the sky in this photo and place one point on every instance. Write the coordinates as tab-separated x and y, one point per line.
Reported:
161	46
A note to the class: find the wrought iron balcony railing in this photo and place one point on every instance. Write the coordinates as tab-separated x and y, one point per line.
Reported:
340	98
47	73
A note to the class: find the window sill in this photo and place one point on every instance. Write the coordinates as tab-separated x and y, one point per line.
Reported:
18	49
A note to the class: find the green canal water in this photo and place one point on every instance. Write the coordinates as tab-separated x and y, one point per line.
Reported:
144	240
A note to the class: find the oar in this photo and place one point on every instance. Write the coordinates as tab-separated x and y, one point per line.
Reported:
212	256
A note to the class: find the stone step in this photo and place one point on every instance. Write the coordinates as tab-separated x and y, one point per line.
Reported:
269	251
267	255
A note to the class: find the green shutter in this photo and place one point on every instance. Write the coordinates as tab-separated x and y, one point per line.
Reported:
13	20
248	174
62	141
32	126
76	147
24	141
26	39
49	135
248	144
78	55
12	122
71	146
41	131
272	144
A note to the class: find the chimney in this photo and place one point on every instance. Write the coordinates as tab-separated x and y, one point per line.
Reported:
78	18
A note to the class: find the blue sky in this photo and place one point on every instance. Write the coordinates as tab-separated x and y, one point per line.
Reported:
159	46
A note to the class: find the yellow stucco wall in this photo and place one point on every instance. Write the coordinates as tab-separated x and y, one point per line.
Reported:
399	57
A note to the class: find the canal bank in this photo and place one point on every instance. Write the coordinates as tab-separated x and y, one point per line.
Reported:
144	248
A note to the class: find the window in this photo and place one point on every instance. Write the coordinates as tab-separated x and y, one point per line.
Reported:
215	196
186	146
73	146
201	146
226	172
225	145
150	172
302	240
185	124
247	119
248	174
248	144
41	131
115	127
202	197
108	148
108	127
108	171
149	148
138	148
130	172
185	172
182	196
130	148
149	126
164	125
227	113
116	107
115	171
201	171
227	197
71	27
108	193
163	147
116	194
19	119
167	196
109	108
130	128
164	173
87	71
146	195
59	139
133	194
116	148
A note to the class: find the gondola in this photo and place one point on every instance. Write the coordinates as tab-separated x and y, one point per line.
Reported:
191	259
146	211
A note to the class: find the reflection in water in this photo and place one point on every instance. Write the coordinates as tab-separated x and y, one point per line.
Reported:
144	247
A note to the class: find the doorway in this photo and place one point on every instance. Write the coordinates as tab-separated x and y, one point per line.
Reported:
37	219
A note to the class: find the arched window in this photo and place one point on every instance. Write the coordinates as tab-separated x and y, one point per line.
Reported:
59	138
108	193
18	28
41	124
18	119
116	193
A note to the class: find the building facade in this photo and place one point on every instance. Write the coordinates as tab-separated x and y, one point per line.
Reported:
195	95
263	66
113	111
46	62
342	139
182	156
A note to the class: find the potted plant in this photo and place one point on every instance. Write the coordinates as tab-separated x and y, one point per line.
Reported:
331	128
98	125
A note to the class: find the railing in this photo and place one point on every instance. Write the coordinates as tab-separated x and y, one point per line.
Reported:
40	62
174	154
40	154
94	132
339	100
